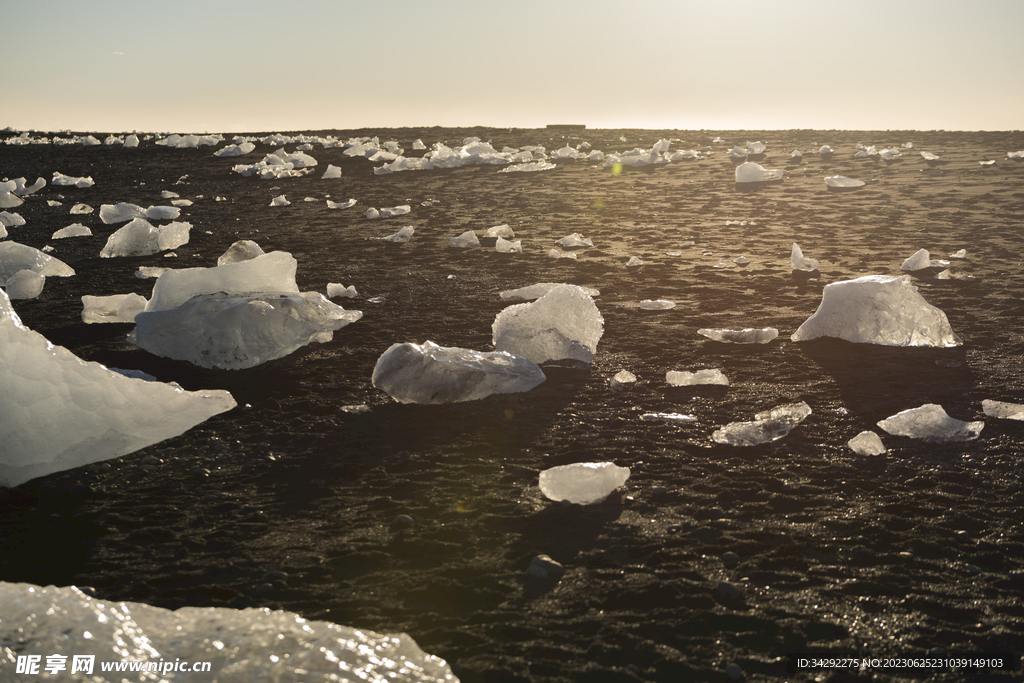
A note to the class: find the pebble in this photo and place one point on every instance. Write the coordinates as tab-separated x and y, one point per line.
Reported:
402	522
734	672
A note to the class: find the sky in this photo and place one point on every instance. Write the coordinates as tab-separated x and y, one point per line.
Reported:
262	66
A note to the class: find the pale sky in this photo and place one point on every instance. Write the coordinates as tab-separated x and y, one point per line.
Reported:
252	66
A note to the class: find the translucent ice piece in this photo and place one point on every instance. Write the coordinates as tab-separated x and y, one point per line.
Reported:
118	308
575	240
1003	410
583	483
540	289
466	240
432	374
73	230
403	235
745	336
867	443
657	304
682	378
931	423
841	181
767	426
15	256
562	324
622	378
242	250
800	262
749	172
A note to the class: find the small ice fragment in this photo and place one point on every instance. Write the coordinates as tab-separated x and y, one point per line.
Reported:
402	235
575	240
167	194
149	271
431	374
540	289
931	423
340	205
372	213
841	181
279	200
800	262
554	253
824	150
466	240
673	253
529	166
504	246
741	260
745	336
10	219
118	308
81	209
390	211
867	443
749	172
668	417
500	231
988	162
582	483
918	261
928	156
959	254
242	250
634	261
621	379
1003	410
656	304
767	426
334	289
331	172
682	378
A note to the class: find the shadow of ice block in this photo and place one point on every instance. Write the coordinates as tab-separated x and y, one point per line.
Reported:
583	483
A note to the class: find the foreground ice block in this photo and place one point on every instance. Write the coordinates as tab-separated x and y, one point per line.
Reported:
427	373
60	412
562	324
254	645
233	332
583	483
15	256
271	273
878	309
768	426
931	423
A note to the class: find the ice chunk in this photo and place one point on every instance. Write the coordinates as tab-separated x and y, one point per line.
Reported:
242	250
554	253
931	423
667	417
824	150
745	336
575	240
372	213
341	205
280	200
11	220
466	240
118	308
749	172
418	144
562	324
73	230
61	412
233	332
800	262
920	260
500	231
1003	410
621	379
756	147
504	246
767	426
61	179
657	304
390	211
240	644
271	273
9	200
25	284
402	235
682	378
79	209
842	182
540	289
878	309
796	155
140	238
149	271
334	289
583	483
117	213
634	262
959	254
429	374
529	167
331	172
867	443
235	150
928	156
15	257
23	190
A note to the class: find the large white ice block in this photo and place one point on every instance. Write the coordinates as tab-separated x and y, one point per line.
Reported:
254	645
584	483
428	373
15	256
271	273
233	332
562	324
878	309
60	412
931	423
